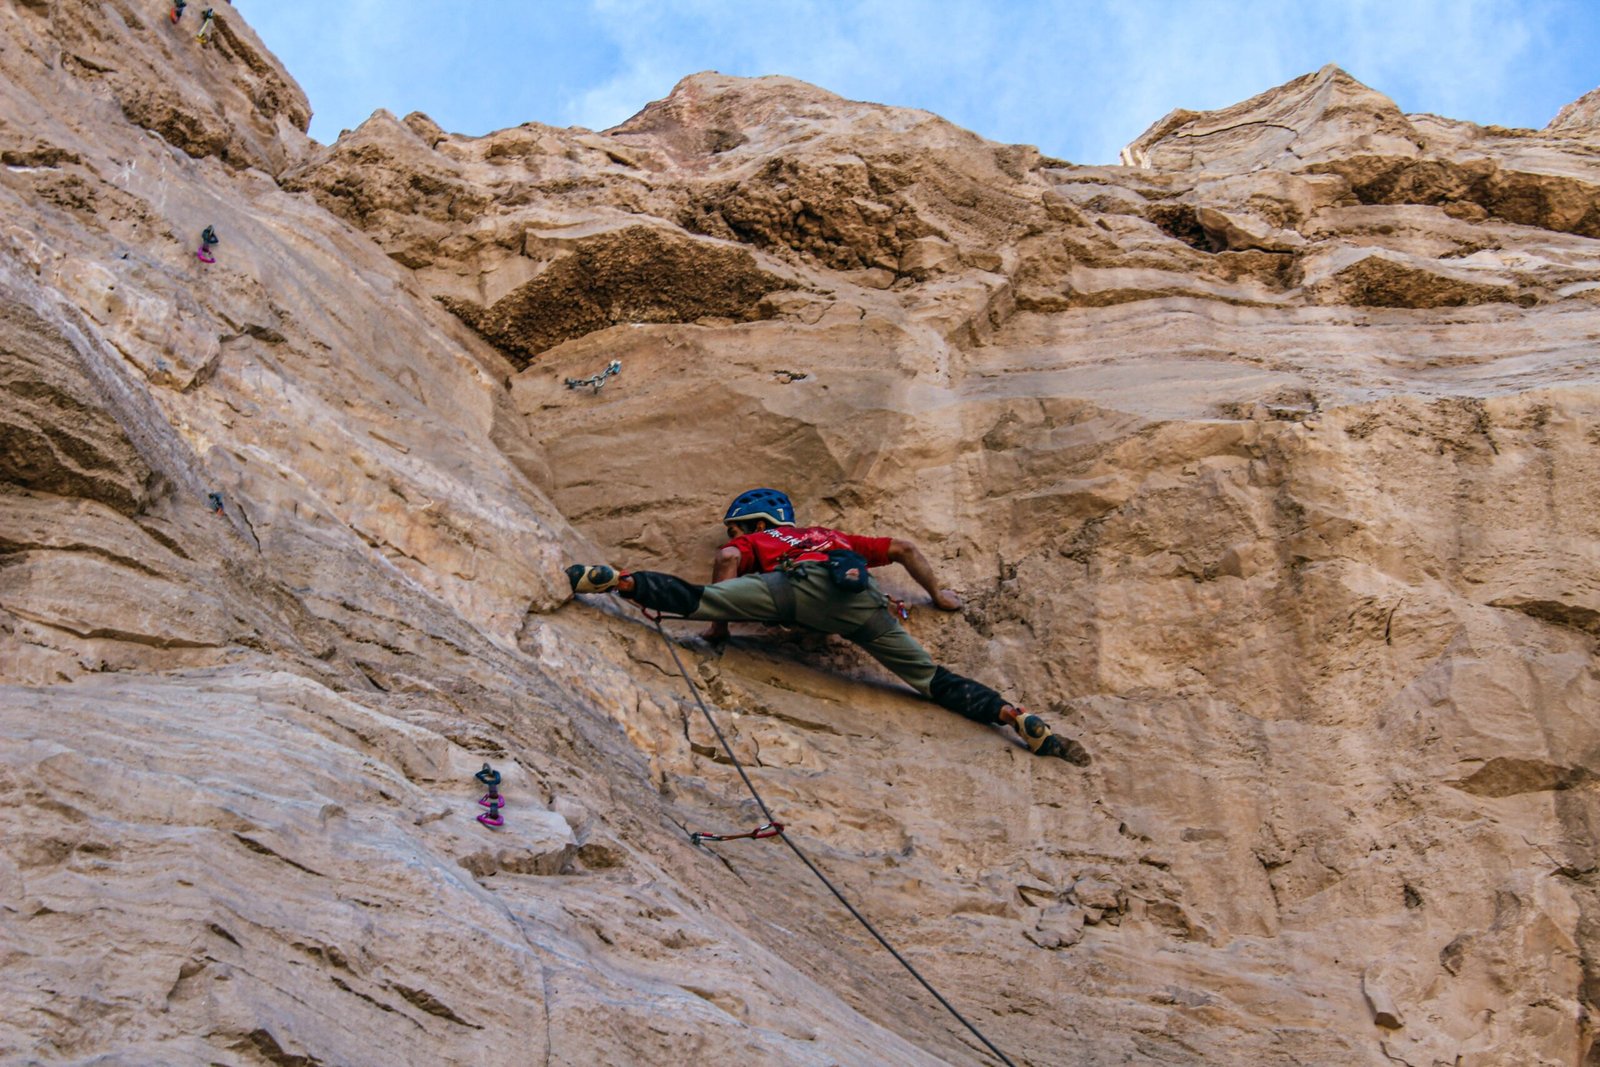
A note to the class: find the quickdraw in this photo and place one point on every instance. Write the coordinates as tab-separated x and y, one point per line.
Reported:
766	829
208	237
492	799
492	816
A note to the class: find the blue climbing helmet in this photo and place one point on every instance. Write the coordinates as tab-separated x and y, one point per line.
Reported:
766	504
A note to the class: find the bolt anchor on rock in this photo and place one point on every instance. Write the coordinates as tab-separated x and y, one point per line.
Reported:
491	778
596	380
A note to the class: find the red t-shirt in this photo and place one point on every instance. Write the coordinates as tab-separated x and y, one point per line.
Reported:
762	550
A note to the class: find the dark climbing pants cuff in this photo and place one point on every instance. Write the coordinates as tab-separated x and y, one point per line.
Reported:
665	593
965	697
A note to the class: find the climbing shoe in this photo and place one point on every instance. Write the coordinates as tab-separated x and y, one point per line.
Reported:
594	578
1041	742
1064	748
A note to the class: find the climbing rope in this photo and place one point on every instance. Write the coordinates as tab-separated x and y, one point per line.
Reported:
596	380
773	828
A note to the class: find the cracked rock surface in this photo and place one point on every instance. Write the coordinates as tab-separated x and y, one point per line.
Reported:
1266	462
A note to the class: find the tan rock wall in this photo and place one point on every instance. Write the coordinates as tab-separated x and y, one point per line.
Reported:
1266	466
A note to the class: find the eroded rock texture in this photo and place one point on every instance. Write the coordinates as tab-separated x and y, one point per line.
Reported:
1267	463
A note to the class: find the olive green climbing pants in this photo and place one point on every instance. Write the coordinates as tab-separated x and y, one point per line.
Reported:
818	604
807	596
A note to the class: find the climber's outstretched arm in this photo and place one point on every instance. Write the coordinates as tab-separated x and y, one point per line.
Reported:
725	566
909	556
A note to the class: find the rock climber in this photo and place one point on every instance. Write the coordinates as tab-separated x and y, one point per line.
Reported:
772	571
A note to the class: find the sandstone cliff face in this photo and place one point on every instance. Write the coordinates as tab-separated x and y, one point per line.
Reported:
1267	464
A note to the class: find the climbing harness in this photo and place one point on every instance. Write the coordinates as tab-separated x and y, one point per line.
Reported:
492	799
216	502
766	829
207	17
773	828
780	583
596	380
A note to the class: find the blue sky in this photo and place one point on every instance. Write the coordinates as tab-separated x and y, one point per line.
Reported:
1078	79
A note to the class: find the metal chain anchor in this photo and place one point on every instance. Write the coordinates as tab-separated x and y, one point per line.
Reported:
596	380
